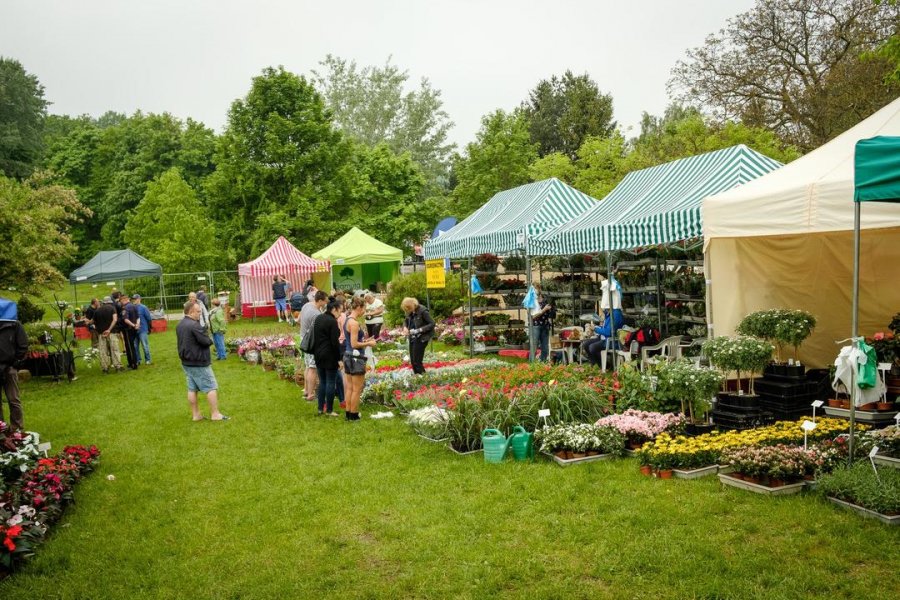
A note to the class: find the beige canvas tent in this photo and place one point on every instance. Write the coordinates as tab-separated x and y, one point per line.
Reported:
785	240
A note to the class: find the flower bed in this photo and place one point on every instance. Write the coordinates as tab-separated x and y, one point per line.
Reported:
580	440
860	486
639	426
772	466
704	450
247	347
429	422
35	492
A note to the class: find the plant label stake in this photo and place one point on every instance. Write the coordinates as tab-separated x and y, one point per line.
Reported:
897	418
44	448
872	454
544	412
815	405
807	426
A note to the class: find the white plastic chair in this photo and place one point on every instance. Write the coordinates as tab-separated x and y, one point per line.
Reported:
667	350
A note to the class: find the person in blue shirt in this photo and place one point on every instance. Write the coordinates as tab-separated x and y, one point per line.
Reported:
280	295
142	339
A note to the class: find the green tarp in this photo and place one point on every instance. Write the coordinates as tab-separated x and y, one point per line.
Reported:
115	264
877	174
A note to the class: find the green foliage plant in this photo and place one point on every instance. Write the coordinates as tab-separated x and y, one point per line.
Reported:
780	326
689	384
742	354
636	391
443	301
859	484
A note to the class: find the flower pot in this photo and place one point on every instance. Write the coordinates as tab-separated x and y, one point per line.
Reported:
665	473
646	470
694	429
752	479
775	482
634	445
834	403
736	475
845	404
884	406
579	454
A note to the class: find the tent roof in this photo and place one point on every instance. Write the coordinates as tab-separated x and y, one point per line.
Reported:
115	264
357	247
528	209
657	205
281	257
877	172
812	194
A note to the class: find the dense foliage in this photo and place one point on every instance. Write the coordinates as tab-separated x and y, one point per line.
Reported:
443	301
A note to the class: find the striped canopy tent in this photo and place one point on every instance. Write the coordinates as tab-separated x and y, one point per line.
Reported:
282	258
657	205
509	220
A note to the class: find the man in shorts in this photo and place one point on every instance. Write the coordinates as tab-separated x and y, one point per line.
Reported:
279	295
193	350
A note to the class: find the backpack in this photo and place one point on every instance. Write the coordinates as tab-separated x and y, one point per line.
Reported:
309	339
645	336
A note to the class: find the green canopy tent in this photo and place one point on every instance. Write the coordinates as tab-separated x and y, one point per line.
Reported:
115	265
876	179
359	261
508	223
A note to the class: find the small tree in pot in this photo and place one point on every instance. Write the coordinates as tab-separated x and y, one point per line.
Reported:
741	354
780	326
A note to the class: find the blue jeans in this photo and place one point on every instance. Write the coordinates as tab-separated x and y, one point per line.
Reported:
327	383
339	385
219	340
142	339
541	334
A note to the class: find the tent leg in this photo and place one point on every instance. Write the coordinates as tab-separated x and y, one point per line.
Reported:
854	392
75	293
528	322
471	318
612	306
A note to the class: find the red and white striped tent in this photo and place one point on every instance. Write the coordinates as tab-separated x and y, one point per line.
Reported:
282	258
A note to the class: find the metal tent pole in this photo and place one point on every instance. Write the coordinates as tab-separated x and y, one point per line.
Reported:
529	322
612	307
471	317
854	391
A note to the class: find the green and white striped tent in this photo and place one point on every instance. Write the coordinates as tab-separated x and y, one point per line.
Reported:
657	205
511	219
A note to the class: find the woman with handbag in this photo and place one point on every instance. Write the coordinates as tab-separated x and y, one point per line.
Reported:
327	350
355	344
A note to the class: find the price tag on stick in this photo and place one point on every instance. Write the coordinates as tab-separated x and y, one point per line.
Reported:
807	426
544	412
872	454
815	405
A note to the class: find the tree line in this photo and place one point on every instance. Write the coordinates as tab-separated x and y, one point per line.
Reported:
308	156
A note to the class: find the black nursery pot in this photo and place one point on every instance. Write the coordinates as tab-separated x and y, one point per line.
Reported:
698	428
738	401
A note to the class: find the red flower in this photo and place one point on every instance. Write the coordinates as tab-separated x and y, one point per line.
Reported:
9	544
14	531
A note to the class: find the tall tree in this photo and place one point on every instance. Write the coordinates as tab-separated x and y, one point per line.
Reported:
22	113
497	160
279	166
35	223
563	111
110	161
798	67
171	227
371	105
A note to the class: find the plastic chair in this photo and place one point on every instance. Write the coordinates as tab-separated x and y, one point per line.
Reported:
667	350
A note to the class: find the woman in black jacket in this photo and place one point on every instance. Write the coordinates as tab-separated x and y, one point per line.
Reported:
419	327
327	350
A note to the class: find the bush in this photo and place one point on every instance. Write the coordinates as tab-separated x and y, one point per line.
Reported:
29	312
443	301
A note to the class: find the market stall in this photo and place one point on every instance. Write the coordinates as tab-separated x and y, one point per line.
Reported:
359	261
281	258
786	240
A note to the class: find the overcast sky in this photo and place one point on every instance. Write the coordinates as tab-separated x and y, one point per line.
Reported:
194	57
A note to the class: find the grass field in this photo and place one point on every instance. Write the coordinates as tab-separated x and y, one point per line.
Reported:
280	503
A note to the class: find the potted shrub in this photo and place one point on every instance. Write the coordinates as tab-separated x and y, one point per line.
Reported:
781	327
887	348
514	262
691	385
486	262
741	354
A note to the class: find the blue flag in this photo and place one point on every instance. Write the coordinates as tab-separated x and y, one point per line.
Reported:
476	287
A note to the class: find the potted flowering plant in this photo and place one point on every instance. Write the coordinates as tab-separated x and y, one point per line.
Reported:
742	354
782	327
691	385
486	262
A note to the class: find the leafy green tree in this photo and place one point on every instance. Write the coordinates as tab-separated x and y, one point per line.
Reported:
371	105
563	111
497	160
385	189
110	161
796	68
279	167
443	301
22	113
555	164
171	227
36	218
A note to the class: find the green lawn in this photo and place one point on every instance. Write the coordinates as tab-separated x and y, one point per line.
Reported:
279	503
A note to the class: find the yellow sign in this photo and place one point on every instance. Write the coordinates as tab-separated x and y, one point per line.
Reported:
434	274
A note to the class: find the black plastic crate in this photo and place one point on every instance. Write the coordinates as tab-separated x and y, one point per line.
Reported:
781	389
731	420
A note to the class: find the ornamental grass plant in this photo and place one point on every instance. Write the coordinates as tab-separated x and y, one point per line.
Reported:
859	484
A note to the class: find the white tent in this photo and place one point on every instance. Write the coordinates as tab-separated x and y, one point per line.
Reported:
785	240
